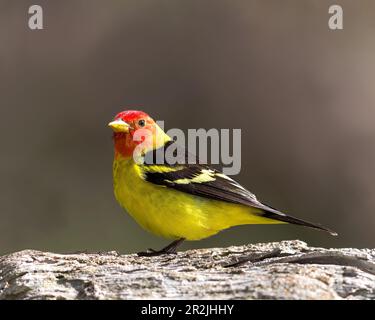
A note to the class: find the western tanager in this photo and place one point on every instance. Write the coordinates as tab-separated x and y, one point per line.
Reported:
179	201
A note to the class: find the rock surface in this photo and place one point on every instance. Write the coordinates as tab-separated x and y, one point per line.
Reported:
280	270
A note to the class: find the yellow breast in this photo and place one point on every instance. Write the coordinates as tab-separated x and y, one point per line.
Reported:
174	214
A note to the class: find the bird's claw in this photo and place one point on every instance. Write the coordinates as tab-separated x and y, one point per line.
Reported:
169	249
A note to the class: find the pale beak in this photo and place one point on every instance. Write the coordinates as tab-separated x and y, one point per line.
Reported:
119	126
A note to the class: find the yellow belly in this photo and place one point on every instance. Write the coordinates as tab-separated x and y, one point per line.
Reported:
174	214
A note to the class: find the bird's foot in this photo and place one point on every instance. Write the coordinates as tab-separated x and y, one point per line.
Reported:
169	249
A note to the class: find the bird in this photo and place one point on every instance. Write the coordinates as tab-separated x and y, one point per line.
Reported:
180	201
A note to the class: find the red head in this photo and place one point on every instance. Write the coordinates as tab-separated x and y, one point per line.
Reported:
135	128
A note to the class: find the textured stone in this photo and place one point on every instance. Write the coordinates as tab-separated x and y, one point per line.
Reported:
296	271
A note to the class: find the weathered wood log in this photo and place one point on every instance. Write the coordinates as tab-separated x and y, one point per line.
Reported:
280	270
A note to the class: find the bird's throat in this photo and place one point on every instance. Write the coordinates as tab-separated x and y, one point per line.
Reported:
124	145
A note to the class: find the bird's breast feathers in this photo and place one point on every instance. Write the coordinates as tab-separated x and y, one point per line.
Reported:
188	201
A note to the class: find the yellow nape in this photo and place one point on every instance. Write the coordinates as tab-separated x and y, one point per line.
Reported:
173	214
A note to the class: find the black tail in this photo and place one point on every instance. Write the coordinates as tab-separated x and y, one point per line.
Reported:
277	215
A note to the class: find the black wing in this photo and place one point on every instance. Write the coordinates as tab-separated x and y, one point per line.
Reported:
197	179
205	181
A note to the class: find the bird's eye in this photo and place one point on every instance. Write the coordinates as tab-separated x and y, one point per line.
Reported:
141	123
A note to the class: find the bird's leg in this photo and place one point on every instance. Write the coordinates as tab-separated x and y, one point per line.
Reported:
169	249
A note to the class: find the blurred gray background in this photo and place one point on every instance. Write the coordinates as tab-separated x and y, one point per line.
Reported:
302	94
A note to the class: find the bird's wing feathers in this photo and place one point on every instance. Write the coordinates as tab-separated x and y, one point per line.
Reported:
197	179
202	180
